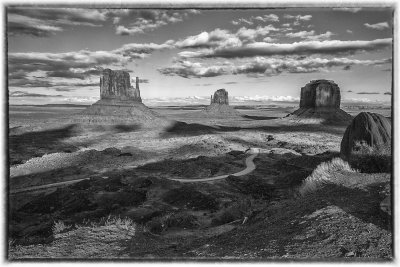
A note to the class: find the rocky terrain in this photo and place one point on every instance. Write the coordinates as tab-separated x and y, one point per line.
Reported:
142	190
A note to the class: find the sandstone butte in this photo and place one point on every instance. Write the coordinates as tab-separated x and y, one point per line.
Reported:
320	103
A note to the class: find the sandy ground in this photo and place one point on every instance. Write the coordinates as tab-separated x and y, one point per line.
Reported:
45	149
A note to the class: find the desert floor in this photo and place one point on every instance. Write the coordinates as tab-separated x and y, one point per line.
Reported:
119	203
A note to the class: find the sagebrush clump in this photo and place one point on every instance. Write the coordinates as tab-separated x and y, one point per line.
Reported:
324	174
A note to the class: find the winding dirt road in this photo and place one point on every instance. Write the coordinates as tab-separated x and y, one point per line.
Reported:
250	166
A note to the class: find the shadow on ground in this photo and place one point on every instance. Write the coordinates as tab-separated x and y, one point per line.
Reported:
194	129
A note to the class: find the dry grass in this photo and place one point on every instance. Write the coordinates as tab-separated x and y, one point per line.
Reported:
324	174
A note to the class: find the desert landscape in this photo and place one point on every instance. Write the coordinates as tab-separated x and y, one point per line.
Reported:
120	179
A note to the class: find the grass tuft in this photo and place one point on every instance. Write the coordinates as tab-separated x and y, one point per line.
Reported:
324	174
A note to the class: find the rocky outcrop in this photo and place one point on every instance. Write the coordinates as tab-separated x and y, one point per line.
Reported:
367	133
219	106
320	103
220	97
117	85
320	93
120	103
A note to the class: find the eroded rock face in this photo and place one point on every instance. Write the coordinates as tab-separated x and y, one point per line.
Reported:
220	97
320	94
366	130
117	85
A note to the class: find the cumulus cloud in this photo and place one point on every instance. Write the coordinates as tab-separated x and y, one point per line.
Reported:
377	26
298	19
368	93
44	22
188	69
71	68
332	47
255	19
348	9
215	38
149	20
258	98
27	94
263	66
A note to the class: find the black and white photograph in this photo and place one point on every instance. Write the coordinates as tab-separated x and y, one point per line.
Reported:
199	132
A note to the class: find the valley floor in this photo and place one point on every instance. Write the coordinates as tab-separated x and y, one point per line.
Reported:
125	205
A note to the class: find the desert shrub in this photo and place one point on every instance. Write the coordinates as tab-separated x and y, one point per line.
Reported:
239	210
190	198
59	227
111	220
371	159
180	220
323	174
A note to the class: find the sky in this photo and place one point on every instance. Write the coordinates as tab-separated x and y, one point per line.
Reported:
182	56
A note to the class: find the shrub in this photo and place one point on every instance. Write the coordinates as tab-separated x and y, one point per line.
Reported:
59	227
121	223
237	211
323	174
371	159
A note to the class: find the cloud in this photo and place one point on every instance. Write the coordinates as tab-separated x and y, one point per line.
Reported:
263	66
349	31
377	26
332	47
71	68
187	69
149	20
348	9
387	93
349	91
45	22
298	18
215	38
204	84
26	94
143	81
258	98
255	19
368	93
230	83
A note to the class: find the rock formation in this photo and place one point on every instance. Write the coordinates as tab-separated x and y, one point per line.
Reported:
220	97
219	106
368	132
120	103
116	85
320	103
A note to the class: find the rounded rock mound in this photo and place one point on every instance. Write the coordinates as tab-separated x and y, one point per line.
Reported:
368	133
320	103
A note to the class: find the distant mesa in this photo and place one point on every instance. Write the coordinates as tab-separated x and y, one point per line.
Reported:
367	133
120	103
219	106
320	103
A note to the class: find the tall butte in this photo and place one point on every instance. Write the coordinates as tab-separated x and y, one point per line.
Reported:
120	102
219	106
320	103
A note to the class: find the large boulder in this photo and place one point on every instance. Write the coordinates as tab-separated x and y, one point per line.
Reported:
367	133
320	103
